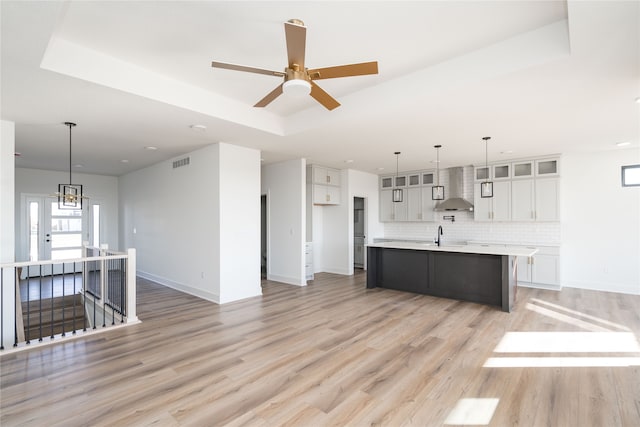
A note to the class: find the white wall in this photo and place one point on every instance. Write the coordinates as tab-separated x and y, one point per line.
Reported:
7	224
100	189
239	226
284	185
335	245
196	227
600	222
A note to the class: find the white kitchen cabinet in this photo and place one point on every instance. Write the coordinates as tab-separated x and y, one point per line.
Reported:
545	267
413	180
325	185
414	203
547	167
524	269
326	195
501	172
482	173
327	176
386	205
522	200
386	182
547	199
523	169
496	208
535	200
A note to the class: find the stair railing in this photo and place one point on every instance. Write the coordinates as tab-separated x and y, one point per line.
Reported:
46	300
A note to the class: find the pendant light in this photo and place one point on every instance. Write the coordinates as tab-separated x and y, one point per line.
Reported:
397	192
486	187
437	191
69	195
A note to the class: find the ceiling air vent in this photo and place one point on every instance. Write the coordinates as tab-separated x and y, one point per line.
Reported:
181	162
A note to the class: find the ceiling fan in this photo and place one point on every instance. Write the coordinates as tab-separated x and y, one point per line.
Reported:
297	78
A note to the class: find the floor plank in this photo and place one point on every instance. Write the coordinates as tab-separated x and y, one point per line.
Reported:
331	353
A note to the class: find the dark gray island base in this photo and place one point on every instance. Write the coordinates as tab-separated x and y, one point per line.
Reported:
475	277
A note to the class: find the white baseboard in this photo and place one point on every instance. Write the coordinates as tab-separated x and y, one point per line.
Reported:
344	272
286	279
540	286
620	288
209	296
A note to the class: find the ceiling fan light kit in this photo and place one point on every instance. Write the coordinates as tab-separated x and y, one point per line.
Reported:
298	80
296	88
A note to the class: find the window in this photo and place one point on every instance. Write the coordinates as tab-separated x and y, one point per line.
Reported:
631	176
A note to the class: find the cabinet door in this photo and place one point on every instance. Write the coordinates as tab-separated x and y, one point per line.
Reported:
386	205
414	204
386	182
482	173
545	270
428	214
522	208
547	200
319	175
524	269
333	177
333	195
319	194
400	208
501	201
481	206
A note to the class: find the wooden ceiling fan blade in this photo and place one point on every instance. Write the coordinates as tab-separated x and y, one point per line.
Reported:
350	70
235	67
296	36
270	97
323	97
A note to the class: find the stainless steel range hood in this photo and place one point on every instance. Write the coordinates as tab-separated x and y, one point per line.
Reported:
455	202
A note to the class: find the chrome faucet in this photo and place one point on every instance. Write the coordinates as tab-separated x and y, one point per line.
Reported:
437	239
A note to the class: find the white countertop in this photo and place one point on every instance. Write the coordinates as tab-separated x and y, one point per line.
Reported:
469	249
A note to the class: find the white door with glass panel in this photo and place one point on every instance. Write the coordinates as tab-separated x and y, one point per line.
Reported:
57	234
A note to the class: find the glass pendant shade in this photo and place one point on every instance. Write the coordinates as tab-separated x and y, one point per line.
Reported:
437	192
486	189
397	195
397	192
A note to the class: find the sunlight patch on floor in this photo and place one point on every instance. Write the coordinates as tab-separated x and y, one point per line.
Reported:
472	411
560	362
580	314
568	342
572	320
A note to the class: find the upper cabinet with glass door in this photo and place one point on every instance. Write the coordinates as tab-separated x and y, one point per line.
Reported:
547	167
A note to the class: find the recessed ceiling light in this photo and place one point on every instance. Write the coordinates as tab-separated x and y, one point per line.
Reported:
379	169
124	161
506	152
150	148
198	128
348	161
78	165
435	161
623	144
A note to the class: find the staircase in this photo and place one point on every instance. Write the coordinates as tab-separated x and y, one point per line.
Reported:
38	318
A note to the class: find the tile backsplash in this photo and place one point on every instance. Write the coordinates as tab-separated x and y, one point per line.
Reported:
461	230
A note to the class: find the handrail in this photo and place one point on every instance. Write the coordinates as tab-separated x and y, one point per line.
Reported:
61	261
105	286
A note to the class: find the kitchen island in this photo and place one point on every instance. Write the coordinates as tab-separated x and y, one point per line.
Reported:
476	273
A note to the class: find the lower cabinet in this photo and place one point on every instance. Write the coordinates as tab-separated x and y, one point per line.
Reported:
542	269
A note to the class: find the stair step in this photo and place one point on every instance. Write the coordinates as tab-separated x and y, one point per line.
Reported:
49	303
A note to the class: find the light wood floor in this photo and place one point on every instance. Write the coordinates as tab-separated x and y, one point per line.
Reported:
332	353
